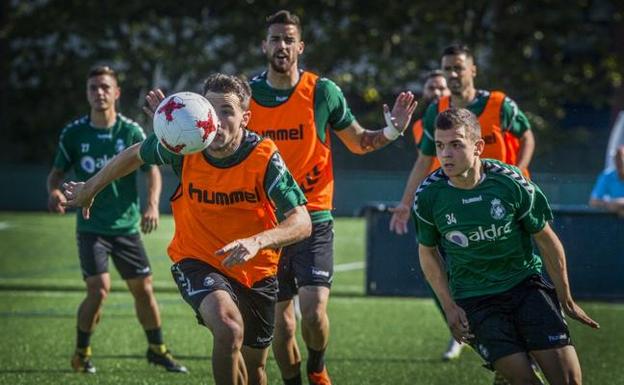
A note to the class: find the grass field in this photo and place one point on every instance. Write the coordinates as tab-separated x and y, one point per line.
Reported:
390	341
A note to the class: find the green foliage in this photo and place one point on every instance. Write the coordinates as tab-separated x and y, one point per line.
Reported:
547	54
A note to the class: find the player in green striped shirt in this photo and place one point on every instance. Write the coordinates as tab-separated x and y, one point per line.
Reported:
484	215
86	146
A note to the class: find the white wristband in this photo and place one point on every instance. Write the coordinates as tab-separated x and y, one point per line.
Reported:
390	132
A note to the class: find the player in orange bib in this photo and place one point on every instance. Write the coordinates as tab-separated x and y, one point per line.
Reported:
298	109
235	207
433	89
506	130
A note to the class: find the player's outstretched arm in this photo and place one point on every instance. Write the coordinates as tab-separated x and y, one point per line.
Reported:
81	194
433	267
294	228
401	213
554	258
361	141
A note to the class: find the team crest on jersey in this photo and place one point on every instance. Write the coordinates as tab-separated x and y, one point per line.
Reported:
120	145
209	281
497	211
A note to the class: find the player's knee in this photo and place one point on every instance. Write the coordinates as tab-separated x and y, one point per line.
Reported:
286	326
314	316
98	293
142	289
228	334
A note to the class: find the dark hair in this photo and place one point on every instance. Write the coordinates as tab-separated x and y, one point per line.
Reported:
433	74
458	49
454	118
284	17
99	70
229	84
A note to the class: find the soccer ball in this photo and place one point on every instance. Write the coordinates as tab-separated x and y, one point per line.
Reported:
185	123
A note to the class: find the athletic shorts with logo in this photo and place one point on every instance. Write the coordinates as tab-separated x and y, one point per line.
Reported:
307	263
127	252
524	318
197	279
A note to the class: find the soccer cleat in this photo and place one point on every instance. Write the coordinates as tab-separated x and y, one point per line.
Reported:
453	350
81	361
319	378
161	356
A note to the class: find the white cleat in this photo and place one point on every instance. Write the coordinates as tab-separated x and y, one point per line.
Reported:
453	351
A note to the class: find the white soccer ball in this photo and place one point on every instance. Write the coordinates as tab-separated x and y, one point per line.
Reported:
185	123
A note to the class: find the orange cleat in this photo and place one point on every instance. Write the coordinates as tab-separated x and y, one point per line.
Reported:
319	378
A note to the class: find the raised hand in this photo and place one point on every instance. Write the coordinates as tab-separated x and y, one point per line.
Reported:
401	114
153	99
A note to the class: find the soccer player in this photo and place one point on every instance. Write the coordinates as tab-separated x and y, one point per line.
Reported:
506	130
227	237
434	88
87	145
484	214
298	109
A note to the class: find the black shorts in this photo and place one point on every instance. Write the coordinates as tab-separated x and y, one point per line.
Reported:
524	318
127	252
197	279
307	263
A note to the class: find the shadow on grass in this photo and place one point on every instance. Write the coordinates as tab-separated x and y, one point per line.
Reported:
372	360
22	371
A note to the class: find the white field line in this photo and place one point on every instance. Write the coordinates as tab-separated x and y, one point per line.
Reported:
4	225
349	266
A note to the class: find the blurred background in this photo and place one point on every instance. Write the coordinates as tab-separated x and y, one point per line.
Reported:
562	61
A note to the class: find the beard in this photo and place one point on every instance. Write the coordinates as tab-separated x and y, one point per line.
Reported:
279	65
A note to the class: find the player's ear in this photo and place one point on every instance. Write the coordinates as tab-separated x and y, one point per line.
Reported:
246	118
479	147
264	46
301	47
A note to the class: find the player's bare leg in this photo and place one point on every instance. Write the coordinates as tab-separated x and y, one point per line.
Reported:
223	318
560	366
144	302
148	314
285	348
89	312
255	362
315	330
516	368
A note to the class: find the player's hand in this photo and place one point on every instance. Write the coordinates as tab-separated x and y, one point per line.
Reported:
238	252
153	99
404	106
458	323
574	311
149	220
55	201
77	196
400	217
